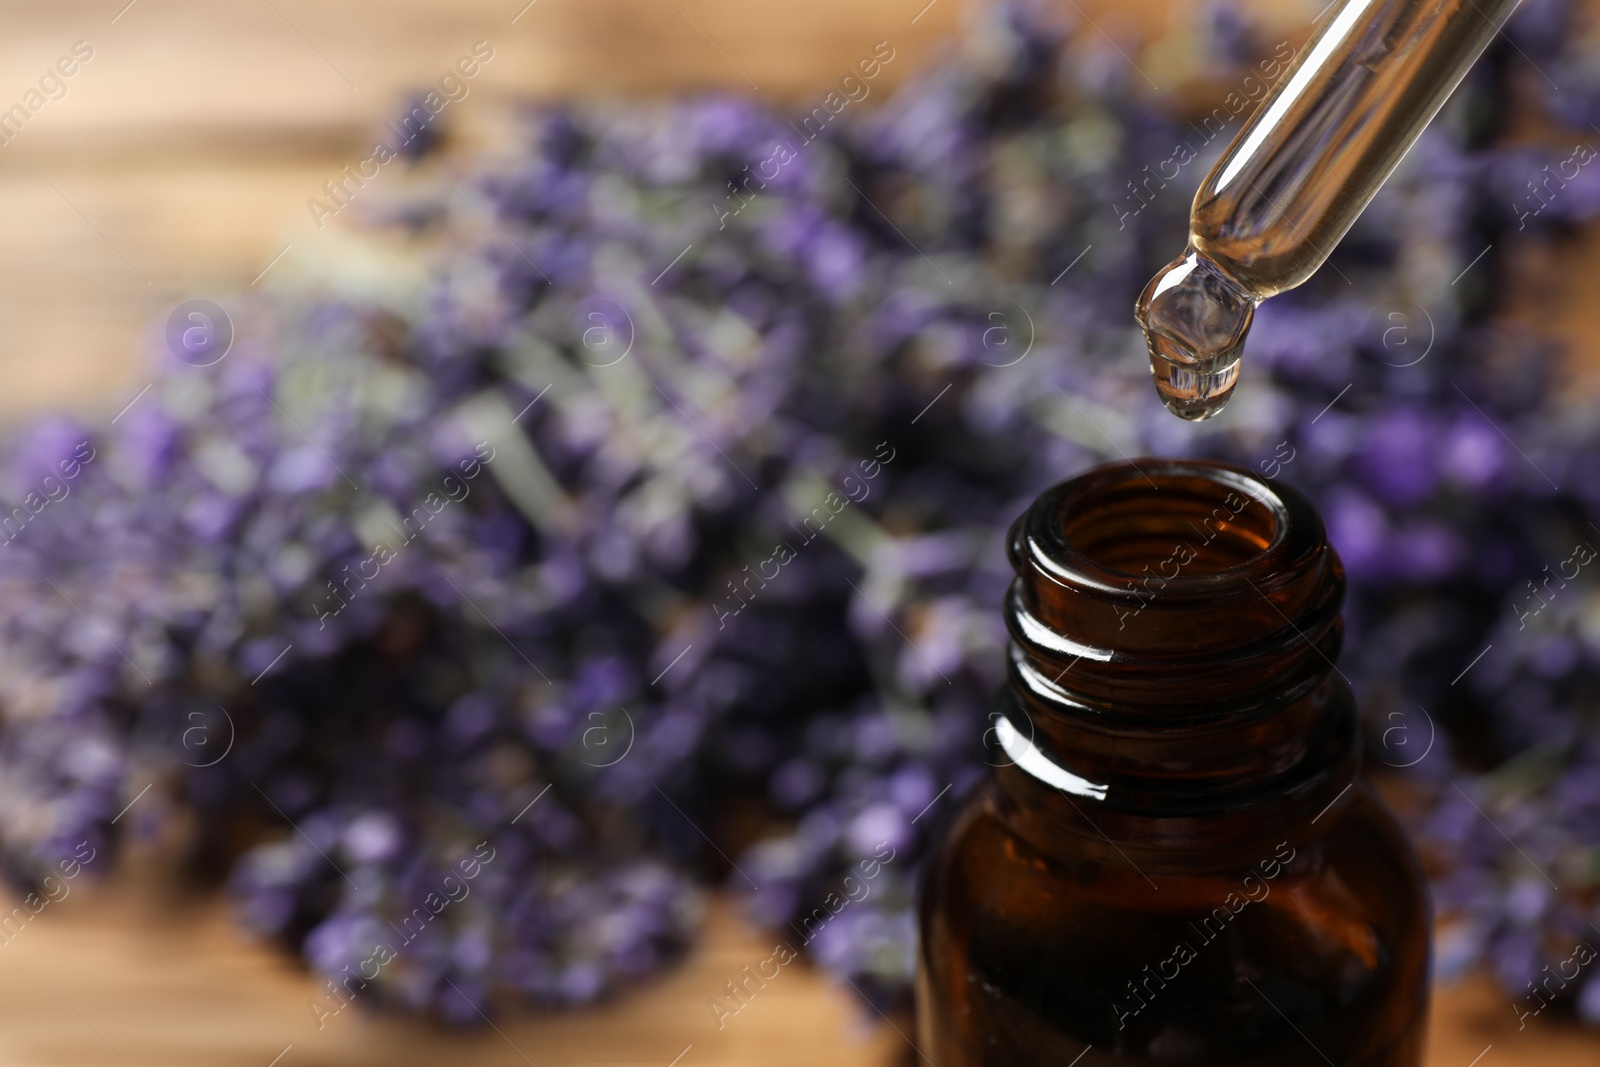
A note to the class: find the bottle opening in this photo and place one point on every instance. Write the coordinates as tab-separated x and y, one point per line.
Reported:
1173	521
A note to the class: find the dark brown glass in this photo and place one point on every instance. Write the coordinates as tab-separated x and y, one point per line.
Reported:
1175	628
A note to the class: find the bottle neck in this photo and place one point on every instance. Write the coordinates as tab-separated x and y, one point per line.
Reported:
1171	679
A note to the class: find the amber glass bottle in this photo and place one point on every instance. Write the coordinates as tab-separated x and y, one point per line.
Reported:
1173	861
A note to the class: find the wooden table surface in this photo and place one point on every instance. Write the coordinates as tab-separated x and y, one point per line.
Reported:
178	165
141	971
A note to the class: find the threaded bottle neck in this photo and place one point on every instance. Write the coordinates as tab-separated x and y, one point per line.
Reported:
1174	630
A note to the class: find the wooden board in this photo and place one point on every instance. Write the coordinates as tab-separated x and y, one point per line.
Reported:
141	971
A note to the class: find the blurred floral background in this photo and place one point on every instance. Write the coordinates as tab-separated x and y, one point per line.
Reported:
613	508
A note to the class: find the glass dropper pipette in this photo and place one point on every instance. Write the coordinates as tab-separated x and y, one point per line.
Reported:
1298	174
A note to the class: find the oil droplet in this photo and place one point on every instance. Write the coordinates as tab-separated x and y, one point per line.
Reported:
1195	320
1193	395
